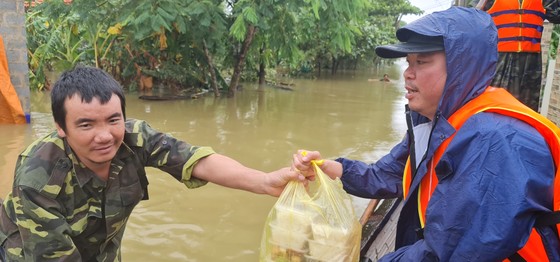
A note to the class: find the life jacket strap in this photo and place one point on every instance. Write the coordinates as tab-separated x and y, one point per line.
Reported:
516	258
548	219
419	233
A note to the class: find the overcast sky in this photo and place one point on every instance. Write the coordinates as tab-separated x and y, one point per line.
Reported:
428	6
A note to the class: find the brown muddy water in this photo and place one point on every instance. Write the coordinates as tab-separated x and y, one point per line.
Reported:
353	115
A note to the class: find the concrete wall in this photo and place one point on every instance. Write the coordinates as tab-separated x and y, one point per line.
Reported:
12	30
551	99
545	49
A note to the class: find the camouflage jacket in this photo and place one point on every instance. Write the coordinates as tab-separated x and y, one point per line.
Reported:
59	210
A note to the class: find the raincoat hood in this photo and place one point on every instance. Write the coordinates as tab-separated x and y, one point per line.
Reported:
470	44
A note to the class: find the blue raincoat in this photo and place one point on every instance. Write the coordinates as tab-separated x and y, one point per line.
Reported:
495	176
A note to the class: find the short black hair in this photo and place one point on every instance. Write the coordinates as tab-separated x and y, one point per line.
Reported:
87	82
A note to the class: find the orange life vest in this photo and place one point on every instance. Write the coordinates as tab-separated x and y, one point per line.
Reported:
496	100
519	26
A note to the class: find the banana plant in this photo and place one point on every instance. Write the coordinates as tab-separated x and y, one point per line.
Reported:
54	43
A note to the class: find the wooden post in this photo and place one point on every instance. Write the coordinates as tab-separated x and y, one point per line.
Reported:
368	211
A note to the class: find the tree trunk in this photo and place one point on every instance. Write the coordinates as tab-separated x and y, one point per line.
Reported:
397	22
262	72
214	82
333	66
241	60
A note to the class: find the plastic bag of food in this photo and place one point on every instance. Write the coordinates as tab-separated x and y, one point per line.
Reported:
319	226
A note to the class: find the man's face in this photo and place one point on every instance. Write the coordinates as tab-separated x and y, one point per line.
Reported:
93	131
424	81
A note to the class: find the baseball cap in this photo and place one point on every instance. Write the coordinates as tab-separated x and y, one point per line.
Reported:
416	43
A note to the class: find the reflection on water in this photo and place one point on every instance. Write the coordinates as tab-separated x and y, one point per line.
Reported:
13	139
262	127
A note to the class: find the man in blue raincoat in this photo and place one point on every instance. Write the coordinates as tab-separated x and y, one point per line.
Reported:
475	169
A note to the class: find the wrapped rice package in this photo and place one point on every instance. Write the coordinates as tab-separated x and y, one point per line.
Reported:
316	226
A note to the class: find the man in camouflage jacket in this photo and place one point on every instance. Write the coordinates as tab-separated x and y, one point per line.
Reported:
75	188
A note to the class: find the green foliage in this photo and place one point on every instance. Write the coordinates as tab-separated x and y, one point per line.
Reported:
172	74
54	42
250	15
239	29
165	38
554	41
378	28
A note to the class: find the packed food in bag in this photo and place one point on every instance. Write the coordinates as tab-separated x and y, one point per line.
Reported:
321	227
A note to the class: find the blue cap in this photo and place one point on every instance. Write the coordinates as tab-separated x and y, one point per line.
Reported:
415	43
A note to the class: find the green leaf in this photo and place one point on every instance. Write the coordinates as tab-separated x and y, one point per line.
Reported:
238	29
159	22
196	8
181	26
315	5
250	15
205	21
141	19
167	16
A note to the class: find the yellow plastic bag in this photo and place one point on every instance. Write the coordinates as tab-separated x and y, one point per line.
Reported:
322	227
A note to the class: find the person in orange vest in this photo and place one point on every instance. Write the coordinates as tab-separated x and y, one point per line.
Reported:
520	26
477	170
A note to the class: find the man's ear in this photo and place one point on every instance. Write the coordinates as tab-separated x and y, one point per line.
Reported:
60	131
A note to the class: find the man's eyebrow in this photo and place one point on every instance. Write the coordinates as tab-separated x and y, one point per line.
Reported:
427	54
83	120
88	120
424	55
115	115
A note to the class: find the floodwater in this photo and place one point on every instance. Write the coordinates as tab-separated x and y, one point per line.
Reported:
352	115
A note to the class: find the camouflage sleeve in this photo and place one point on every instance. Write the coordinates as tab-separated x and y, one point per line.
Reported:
43	229
552	11
169	154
